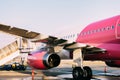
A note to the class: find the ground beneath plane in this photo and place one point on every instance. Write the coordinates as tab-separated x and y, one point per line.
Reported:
63	72
59	74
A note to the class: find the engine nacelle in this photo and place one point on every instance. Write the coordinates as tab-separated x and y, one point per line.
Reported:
65	54
115	63
43	60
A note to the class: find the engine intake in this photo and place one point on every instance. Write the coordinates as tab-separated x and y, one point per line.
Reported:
51	60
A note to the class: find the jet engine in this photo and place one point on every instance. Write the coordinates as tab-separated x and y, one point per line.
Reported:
66	54
42	59
115	63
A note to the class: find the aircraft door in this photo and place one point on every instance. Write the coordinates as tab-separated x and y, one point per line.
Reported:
117	32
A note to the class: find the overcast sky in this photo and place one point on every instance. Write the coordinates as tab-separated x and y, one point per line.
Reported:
48	16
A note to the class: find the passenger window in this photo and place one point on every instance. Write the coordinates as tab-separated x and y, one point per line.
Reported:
113	27
108	28
88	32
94	31
103	29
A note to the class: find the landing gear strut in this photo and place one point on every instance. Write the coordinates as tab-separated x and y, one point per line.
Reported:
80	72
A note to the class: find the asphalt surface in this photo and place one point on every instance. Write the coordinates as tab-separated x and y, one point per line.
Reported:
58	74
61	73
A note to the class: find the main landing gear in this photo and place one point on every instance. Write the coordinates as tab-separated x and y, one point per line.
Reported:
80	72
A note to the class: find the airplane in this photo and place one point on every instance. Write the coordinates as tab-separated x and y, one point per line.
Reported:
97	41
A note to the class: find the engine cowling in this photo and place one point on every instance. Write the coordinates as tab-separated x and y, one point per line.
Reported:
43	60
115	63
65	54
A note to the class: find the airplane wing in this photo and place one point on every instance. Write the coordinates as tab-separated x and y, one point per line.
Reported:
51	40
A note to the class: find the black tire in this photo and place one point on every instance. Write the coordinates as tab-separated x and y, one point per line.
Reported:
23	67
87	73
77	73
8	68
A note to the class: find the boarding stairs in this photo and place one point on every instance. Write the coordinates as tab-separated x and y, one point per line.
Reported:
12	51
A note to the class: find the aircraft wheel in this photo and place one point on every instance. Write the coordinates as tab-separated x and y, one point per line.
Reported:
77	73
23	67
87	73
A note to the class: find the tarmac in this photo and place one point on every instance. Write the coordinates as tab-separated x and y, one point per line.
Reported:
63	72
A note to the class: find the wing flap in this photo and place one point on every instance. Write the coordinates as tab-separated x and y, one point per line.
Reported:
86	49
93	50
